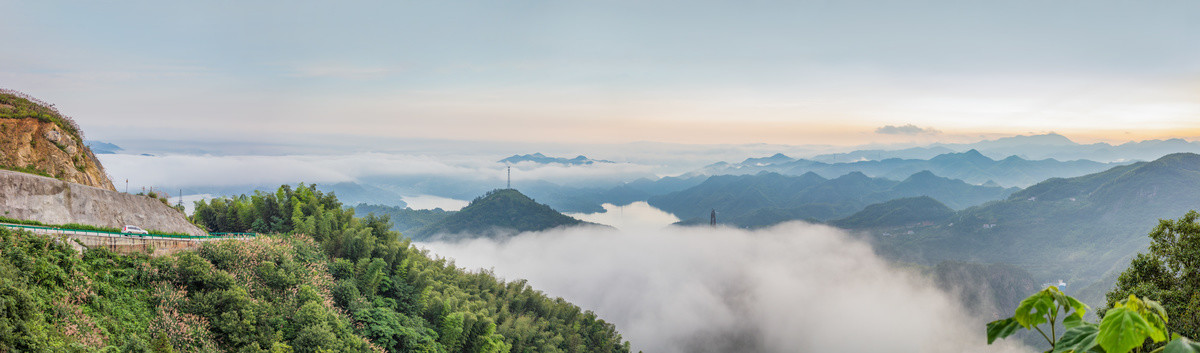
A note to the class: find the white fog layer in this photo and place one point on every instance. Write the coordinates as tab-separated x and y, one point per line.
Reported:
429	202
635	216
796	287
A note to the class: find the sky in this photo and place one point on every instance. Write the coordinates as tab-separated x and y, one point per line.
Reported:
611	72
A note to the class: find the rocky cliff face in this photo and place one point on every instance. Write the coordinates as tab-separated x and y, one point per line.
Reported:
51	201
35	138
70	185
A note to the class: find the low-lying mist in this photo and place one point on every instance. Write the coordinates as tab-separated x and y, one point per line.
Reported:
635	216
796	287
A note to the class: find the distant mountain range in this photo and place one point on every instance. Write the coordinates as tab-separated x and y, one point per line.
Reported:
1032	147
768	198
1082	229
543	159
970	166
495	214
589	200
355	193
99	147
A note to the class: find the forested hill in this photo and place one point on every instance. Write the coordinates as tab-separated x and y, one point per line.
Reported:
325	281
497	212
898	212
1077	229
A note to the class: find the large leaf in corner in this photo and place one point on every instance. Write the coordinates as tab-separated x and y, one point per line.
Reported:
1123	330
1001	329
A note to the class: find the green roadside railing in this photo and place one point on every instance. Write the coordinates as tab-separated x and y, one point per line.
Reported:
129	235
236	235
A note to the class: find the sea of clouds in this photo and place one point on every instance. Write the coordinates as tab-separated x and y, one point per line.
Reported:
796	287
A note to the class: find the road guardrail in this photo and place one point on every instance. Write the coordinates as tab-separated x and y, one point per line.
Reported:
68	231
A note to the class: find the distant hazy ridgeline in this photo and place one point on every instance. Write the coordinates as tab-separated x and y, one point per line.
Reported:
970	166
769	198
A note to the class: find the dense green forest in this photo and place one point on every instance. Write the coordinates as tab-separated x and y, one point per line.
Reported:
323	281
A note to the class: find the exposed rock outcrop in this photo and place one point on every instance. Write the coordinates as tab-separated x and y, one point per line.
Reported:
52	201
35	138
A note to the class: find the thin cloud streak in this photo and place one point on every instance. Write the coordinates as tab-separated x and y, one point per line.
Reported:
908	129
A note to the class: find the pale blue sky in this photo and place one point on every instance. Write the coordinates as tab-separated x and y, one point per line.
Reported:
598	72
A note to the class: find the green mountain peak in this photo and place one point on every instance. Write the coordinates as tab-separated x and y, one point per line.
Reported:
497	212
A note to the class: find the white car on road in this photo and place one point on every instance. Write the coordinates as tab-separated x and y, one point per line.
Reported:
133	230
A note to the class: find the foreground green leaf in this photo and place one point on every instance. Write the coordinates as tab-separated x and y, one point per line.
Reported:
1157	316
1033	310
1078	307
1001	329
1123	330
1078	339
1073	321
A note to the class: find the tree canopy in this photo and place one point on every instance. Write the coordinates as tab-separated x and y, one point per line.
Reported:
1168	273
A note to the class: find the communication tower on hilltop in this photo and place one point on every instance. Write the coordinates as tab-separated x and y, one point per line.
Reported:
712	218
510	177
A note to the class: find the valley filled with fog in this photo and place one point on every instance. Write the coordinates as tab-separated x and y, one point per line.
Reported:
795	287
632	217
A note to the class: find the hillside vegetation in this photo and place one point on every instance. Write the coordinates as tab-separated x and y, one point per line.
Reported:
325	281
17	105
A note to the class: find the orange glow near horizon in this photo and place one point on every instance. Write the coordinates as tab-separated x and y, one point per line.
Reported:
749	132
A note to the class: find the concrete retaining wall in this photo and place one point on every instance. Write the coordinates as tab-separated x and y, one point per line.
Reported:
154	247
52	201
